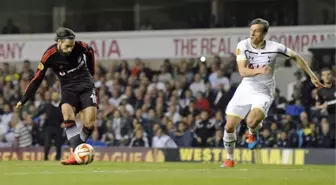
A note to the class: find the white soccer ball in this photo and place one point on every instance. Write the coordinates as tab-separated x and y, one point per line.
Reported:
84	153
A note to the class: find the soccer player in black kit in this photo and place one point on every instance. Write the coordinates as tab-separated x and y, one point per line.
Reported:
326	100
73	63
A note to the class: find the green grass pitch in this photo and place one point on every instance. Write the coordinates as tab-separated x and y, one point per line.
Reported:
108	173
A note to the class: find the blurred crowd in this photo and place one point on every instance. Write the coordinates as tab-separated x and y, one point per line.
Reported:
179	105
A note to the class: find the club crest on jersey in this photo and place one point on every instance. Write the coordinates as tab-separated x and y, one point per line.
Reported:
40	66
61	73
238	52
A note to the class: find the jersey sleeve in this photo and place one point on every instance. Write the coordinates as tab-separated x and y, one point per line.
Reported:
90	62
240	51
282	49
35	83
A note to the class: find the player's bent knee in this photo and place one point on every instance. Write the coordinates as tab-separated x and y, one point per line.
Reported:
252	123
254	118
231	123
90	116
68	112
230	128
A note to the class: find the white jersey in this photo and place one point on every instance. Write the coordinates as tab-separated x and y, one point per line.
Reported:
258	58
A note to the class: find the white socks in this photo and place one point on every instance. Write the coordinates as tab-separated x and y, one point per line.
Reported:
230	144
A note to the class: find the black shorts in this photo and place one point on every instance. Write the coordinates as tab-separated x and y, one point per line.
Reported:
80	99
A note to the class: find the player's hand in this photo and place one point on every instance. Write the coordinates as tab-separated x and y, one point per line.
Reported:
18	105
325	106
266	70
316	82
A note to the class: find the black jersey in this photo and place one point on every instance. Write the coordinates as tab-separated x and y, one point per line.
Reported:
74	71
328	95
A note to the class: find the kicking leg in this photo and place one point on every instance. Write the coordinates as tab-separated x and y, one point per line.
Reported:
230	138
89	103
254	123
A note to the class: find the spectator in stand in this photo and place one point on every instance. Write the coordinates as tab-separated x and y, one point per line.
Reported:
283	140
10	28
279	103
325	139
5	119
173	114
274	132
139	140
183	136
161	139
22	130
95	141
164	75
146	25
295	109
204	130
310	136
121	129
267	139
218	80
217	140
202	103
218	120
27	69
198	85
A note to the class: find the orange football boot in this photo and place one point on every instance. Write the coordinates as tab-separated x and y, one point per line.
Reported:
228	163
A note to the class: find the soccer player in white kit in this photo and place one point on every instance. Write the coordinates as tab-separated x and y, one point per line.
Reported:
256	60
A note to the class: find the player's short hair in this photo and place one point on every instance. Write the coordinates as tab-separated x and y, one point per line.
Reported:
64	33
261	21
325	69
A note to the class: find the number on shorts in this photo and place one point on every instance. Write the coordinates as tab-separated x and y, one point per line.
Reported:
94	98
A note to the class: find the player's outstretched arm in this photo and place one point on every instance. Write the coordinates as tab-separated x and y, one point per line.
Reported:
35	83
304	66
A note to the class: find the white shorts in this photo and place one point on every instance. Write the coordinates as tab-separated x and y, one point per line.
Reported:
246	99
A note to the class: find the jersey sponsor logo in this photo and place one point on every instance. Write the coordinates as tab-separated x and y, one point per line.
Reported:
81	59
78	67
40	66
81	62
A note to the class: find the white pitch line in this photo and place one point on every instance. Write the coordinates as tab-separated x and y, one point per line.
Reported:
148	170
101	171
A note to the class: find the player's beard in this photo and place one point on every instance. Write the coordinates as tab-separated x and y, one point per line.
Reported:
64	53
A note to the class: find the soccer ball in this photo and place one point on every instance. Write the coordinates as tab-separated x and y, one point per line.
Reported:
84	153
